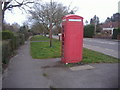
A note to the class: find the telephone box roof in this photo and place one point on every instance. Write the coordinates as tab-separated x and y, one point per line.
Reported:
72	15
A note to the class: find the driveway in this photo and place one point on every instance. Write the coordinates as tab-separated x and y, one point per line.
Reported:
25	72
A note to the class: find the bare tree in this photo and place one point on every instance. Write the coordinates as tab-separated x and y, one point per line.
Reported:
10	4
49	14
38	28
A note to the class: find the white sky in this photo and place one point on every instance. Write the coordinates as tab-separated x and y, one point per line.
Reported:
86	9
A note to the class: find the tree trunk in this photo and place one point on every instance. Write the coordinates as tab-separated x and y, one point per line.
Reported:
3	25
3	13
1	16
50	35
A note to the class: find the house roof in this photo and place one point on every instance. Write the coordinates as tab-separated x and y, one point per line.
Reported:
110	25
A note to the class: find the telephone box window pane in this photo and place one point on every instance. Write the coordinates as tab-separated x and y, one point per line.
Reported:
76	20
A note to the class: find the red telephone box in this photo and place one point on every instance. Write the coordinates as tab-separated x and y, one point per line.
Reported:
72	39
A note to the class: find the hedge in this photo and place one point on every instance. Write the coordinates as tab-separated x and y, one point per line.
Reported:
10	44
6	51
7	35
89	31
17	41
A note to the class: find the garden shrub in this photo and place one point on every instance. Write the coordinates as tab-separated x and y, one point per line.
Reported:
115	33
89	31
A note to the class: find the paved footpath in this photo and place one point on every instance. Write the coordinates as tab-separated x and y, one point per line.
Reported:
25	72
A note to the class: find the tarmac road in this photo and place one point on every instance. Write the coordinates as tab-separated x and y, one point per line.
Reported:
108	47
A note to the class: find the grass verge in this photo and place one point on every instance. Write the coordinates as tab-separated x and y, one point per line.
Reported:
41	50
39	38
90	56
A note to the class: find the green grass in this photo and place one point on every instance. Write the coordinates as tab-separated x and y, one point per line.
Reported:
39	38
90	56
41	50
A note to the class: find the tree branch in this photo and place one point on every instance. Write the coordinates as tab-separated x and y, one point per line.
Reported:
18	4
5	6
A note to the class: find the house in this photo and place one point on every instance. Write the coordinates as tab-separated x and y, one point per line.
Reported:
108	27
110	24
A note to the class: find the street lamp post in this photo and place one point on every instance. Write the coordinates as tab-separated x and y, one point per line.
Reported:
95	29
96	22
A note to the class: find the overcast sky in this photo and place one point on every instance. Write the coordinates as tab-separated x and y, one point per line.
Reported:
86	9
